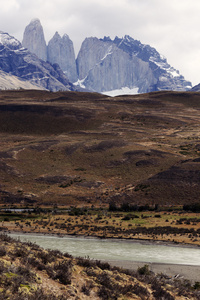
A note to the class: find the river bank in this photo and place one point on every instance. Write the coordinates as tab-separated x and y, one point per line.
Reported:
170	259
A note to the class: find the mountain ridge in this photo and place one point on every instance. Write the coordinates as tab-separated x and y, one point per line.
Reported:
104	65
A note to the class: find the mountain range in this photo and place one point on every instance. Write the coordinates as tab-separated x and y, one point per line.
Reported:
15	60
121	65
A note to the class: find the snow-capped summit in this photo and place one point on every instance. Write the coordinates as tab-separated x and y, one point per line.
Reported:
9	41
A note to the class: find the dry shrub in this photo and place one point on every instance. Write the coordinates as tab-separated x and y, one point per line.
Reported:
2	251
61	271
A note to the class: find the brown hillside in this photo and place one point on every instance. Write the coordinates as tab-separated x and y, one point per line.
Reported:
86	148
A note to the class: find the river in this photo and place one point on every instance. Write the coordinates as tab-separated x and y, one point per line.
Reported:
122	250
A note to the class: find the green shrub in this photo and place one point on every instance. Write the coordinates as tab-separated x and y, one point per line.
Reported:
143	270
197	285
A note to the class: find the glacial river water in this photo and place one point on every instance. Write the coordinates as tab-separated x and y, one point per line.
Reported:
116	249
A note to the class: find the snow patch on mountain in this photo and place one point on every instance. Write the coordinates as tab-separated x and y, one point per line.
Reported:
123	91
108	53
80	83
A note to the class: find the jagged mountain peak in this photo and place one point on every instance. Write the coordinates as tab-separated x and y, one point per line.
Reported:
34	40
106	39
56	36
35	21
60	50
135	47
34	26
65	36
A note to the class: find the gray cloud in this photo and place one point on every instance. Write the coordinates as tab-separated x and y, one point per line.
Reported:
171	26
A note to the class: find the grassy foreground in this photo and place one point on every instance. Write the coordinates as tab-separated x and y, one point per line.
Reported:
30	272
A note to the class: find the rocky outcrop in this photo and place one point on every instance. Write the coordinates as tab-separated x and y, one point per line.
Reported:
105	65
34	40
19	62
61	51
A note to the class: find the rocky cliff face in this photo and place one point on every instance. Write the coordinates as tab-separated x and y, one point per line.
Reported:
105	65
61	51
19	62
102	66
34	40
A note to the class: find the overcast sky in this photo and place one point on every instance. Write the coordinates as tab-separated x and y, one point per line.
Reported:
171	26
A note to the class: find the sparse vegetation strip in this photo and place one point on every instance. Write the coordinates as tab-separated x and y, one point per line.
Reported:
170	225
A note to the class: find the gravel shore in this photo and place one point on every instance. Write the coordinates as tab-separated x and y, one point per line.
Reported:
189	272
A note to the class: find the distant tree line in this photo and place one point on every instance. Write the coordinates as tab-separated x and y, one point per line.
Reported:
192	207
126	207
